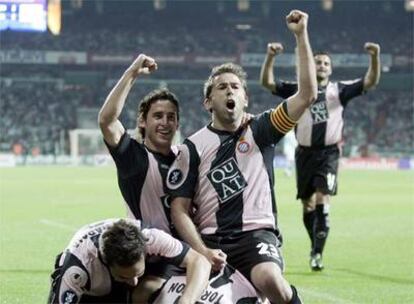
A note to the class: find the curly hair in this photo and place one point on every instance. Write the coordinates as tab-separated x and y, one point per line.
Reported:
123	244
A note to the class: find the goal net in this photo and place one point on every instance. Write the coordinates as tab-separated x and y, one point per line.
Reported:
88	148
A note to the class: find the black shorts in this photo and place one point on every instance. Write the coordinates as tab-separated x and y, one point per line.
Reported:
161	268
316	168
247	249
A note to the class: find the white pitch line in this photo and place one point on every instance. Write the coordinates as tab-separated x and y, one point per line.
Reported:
57	224
325	296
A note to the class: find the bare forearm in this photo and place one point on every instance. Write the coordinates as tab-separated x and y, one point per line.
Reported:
373	74
198	272
307	85
187	230
266	73
115	101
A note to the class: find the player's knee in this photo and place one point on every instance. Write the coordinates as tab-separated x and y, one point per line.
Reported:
308	205
270	281
321	198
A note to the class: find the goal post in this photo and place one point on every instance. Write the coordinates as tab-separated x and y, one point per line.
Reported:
87	146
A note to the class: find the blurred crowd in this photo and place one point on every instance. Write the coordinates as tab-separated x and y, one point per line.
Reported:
177	30
37	117
39	105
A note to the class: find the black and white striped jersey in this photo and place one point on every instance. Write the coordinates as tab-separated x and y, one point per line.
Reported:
322	123
229	175
141	179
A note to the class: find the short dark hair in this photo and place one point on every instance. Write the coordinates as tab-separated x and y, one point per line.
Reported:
321	53
221	69
123	244
149	99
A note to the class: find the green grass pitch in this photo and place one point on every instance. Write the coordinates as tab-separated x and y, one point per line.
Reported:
369	256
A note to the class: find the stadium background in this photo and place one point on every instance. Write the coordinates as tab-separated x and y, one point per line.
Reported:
52	84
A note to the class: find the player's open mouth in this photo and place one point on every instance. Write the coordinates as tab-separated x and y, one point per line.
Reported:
230	104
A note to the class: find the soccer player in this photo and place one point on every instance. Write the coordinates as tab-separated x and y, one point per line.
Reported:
222	179
106	257
319	133
142	167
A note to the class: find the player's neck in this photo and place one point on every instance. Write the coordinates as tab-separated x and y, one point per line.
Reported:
323	82
229	126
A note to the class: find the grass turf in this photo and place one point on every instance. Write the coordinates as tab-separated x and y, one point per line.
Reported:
369	256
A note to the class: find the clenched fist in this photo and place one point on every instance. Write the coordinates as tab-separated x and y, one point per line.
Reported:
274	48
143	64
372	48
297	21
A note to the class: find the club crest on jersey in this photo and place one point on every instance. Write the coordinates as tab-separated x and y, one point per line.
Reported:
243	147
174	177
319	112
69	297
227	180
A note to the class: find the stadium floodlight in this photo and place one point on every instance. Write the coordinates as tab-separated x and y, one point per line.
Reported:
327	5
54	16
409	5
159	4
243	5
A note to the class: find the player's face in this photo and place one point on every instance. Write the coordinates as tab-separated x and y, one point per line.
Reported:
228	99
323	67
160	125
130	274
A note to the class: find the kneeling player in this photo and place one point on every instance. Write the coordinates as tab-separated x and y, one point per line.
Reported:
105	259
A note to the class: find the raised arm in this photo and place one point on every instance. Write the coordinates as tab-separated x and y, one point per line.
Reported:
111	127
266	73
197	274
307	93
373	74
188	232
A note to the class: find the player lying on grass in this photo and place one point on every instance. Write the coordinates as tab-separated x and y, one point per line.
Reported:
104	260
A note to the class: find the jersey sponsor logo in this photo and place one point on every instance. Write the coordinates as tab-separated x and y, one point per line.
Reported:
330	178
243	147
69	297
319	112
227	180
175	177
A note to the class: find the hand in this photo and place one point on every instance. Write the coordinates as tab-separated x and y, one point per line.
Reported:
297	21
143	64
372	48
217	258
274	48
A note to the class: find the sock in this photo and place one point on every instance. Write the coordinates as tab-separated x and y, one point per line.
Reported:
308	221
321	228
295	297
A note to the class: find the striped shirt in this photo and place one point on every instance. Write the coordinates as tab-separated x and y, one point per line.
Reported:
229	175
141	179
84	272
322	123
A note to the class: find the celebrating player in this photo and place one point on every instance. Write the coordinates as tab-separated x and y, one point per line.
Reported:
319	132
142	167
104	258
222	179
